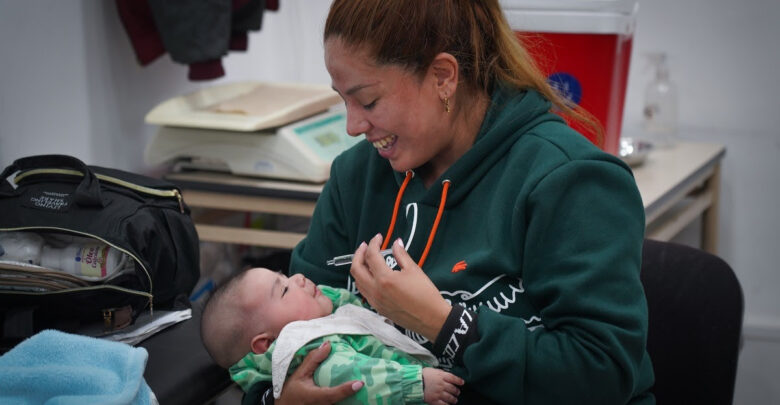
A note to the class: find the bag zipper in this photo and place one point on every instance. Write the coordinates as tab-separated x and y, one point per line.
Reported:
149	294
111	318
174	193
108	318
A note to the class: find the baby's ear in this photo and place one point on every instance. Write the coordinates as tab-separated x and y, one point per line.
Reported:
261	342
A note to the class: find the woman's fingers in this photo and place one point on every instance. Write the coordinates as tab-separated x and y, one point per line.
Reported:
359	260
300	388
367	263
358	270
313	360
407	297
402	256
374	260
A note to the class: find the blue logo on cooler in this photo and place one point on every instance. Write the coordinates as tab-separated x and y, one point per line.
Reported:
567	85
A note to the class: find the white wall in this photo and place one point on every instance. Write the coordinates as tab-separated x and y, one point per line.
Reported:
724	57
69	84
69	81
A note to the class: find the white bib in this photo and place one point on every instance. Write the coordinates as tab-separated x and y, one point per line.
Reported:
348	319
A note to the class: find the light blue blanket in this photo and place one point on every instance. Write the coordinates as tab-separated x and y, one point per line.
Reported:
53	367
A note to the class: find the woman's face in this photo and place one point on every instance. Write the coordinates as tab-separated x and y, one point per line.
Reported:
399	113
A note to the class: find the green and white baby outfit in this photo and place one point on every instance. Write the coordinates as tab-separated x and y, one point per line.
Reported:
364	346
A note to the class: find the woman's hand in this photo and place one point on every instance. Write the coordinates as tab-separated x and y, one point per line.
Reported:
299	388
407	297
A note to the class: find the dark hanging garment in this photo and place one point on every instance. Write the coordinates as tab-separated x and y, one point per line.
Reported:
198	33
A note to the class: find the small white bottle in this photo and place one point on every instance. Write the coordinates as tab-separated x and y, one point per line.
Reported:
660	109
93	260
23	247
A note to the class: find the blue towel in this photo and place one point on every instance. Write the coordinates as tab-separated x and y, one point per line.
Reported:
53	367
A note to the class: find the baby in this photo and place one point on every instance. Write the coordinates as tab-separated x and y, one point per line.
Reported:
261	324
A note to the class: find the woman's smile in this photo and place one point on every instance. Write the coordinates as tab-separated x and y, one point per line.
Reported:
384	145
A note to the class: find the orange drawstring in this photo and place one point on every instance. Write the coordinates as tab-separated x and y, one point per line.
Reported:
445	187
409	175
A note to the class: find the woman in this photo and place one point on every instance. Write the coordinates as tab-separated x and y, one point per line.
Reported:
516	243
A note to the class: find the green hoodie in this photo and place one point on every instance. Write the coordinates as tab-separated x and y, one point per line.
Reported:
541	236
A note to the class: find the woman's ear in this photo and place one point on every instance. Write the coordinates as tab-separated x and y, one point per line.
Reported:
444	69
261	343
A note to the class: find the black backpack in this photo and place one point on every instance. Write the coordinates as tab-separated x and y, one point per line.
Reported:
59	196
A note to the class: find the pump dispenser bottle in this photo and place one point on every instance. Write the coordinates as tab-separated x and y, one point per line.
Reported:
660	109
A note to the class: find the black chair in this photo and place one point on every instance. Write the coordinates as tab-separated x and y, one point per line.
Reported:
695	307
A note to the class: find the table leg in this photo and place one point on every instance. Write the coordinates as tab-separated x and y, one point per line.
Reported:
709	229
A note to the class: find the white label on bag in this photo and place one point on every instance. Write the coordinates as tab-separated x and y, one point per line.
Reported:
48	200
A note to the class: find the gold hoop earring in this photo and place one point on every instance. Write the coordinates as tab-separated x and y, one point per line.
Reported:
447	104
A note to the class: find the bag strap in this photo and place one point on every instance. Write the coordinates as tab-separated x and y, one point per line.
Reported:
87	192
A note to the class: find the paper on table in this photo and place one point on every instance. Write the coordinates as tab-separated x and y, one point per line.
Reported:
146	325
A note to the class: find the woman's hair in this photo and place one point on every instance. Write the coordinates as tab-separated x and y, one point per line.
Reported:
410	33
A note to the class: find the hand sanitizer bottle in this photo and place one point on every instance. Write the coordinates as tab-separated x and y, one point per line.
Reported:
660	110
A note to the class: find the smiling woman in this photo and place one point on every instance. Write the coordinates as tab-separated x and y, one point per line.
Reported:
516	242
378	98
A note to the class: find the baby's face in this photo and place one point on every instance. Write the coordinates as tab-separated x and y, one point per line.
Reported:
281	299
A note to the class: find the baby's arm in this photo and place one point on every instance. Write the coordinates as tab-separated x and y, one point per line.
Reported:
394	378
440	387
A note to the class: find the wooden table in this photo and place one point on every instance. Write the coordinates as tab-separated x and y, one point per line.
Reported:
678	185
217	191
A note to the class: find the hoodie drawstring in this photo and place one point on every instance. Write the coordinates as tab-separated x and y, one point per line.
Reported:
439	213
409	175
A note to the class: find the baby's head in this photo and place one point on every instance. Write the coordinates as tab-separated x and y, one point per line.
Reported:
248	311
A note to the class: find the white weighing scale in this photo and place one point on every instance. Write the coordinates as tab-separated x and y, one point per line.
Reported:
281	131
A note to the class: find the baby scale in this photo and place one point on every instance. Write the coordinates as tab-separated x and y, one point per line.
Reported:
271	130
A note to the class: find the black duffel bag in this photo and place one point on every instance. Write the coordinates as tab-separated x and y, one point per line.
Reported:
59	201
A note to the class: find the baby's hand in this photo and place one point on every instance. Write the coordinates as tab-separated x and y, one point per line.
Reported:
441	387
